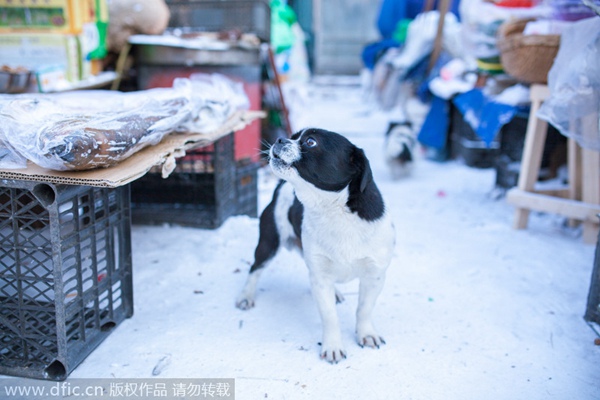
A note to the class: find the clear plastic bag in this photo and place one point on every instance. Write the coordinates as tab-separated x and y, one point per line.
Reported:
214	99
420	40
61	136
91	129
9	157
574	83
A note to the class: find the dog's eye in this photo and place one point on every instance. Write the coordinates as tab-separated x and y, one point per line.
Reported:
310	142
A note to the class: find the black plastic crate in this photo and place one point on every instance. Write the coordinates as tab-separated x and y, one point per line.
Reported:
468	146
592	313
201	192
65	274
247	189
512	142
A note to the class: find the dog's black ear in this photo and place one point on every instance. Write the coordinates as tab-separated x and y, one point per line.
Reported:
364	197
360	161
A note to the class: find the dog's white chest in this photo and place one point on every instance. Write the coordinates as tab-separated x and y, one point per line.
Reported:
345	247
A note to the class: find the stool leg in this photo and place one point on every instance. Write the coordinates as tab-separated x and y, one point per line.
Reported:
590	175
591	191
531	161
574	168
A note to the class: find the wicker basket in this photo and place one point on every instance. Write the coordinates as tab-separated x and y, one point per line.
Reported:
528	58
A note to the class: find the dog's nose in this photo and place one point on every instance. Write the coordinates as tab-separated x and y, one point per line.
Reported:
277	147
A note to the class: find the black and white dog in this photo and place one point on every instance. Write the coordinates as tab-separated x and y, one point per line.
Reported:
400	143
329	206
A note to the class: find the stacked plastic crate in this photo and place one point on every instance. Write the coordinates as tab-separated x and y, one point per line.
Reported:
65	274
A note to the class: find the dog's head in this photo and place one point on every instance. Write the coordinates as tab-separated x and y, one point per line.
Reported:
318	160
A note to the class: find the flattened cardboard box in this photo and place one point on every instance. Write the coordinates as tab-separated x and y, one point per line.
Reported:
138	164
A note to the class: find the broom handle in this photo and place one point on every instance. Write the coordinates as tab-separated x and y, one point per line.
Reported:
284	110
443	6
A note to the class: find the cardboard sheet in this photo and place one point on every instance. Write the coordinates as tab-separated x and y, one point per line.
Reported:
138	164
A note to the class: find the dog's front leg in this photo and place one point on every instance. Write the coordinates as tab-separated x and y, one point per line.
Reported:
245	299
370	288
323	291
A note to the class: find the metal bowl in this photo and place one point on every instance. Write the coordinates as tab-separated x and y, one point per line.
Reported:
14	80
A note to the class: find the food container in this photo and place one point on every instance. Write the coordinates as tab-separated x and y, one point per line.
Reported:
14	80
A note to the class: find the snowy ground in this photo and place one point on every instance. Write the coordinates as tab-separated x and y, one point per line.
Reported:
472	309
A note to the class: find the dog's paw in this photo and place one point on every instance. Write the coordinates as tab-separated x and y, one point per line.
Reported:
373	341
244	303
333	355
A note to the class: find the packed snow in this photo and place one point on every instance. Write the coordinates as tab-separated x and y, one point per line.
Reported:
472	309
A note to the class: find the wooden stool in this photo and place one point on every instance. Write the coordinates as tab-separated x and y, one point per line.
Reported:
580	199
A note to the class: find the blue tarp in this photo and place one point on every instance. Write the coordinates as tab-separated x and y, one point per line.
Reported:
485	116
434	130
